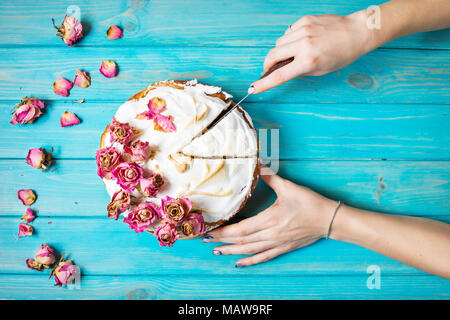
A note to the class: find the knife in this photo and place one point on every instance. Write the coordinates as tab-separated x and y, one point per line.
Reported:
276	66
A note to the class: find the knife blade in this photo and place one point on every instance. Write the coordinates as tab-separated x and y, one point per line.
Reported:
276	66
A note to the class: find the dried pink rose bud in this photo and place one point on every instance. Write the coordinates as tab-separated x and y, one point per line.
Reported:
175	210
26	196
114	32
70	30
69	119
108	69
82	79
155	106
150	186
128	175
193	225
140	217
107	160
28	216
120	202
25	230
39	159
45	255
167	234
138	150
62	87
163	123
120	132
27	111
65	273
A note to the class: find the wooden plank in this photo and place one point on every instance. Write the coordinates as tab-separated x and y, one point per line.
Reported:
107	247
181	23
400	187
383	76
198	287
306	131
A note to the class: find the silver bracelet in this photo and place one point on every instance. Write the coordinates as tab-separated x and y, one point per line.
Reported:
332	218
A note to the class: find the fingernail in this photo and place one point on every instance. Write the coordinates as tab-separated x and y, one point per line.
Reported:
217	252
251	89
207	238
238	265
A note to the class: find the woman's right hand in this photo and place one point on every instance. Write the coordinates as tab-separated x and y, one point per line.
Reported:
319	44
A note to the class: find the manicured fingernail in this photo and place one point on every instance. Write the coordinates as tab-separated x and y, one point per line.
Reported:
251	89
217	252
207	238
238	265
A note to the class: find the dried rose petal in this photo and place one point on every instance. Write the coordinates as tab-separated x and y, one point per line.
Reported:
26	196
155	106
33	265
82	79
25	230
38	158
62	87
28	216
27	111
108	69
70	30
69	119
163	123
114	32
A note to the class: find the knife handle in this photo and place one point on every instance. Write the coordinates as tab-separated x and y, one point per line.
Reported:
277	66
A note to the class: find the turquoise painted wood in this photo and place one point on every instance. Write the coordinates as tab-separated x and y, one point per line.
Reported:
375	134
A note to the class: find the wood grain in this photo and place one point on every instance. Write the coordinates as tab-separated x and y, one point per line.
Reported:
223	287
383	76
306	131
401	187
181	23
104	247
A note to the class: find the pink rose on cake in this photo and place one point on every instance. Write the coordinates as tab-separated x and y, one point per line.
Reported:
120	132
140	217
27	111
175	210
149	187
120	202
128	175
193	225
107	160
138	150
167	234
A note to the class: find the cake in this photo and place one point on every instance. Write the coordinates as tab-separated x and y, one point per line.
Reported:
165	173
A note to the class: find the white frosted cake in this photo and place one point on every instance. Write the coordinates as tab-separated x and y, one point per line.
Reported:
164	174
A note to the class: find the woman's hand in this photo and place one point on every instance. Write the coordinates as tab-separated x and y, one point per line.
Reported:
319	45
298	218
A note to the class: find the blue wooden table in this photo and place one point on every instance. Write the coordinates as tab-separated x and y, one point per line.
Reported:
375	135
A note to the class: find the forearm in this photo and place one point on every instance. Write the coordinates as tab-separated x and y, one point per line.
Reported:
418	242
404	17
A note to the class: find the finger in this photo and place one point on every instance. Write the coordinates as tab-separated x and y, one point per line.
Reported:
303	21
273	180
241	228
280	53
295	35
248	248
261	235
282	75
264	256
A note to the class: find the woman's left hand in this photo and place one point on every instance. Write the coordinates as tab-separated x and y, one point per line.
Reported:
298	218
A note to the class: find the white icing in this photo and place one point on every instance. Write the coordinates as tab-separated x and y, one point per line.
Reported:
227	189
231	137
